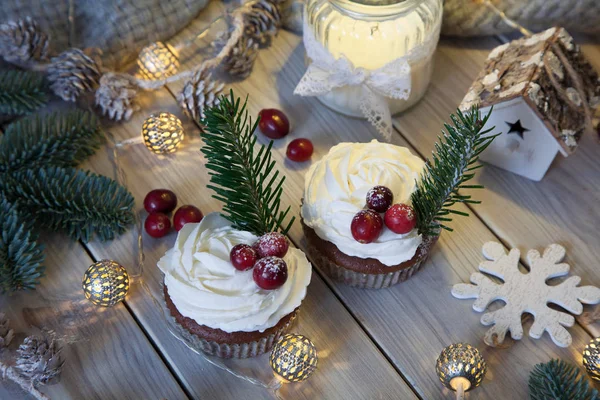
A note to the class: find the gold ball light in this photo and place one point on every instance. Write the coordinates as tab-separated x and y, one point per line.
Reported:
461	367
293	358
162	133
105	283
157	61
591	359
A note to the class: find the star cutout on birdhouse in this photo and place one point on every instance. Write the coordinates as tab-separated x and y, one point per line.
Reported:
541	85
517	128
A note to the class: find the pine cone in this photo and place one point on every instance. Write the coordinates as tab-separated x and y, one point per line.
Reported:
199	93
6	334
39	360
262	20
241	58
22	41
116	96
72	73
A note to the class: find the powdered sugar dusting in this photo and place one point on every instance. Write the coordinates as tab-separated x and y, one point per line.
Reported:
272	244
270	273
273	265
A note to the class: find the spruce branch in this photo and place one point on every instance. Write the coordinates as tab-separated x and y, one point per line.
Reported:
558	380
62	139
453	164
21	256
246	181
80	203
21	92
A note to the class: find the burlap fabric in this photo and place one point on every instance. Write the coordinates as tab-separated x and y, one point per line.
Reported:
466	18
119	27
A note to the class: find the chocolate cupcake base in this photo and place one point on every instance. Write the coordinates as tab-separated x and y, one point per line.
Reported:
223	344
362	273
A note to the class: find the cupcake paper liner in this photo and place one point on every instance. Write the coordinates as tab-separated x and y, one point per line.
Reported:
230	350
368	281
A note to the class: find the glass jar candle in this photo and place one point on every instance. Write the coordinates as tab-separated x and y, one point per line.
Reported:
373	33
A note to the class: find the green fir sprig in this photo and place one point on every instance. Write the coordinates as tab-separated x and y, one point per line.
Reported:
452	165
558	380
80	203
21	92
21	256
60	139
40	187
245	180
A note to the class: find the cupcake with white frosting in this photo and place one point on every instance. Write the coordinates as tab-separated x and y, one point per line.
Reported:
232	303
357	216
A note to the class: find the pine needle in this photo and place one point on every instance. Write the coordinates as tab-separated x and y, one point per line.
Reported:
82	204
448	171
244	180
21	256
62	139
558	380
21	92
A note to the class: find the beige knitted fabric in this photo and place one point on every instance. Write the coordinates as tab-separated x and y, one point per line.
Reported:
466	18
119	27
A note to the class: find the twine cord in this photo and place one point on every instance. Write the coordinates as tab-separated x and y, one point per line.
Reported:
236	34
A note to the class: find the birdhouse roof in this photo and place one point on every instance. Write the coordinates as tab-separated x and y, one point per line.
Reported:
550	73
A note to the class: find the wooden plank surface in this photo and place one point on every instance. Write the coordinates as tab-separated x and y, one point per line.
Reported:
415	320
522	213
323	318
107	355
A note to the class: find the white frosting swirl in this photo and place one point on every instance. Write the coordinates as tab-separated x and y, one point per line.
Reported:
204	285
335	189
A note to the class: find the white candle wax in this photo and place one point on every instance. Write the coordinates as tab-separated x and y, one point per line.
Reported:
371	44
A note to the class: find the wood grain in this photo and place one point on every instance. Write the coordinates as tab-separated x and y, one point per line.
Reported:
107	355
415	320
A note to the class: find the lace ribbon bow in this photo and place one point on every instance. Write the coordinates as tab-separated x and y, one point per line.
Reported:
325	73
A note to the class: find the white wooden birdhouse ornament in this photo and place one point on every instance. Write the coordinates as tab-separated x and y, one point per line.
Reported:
544	93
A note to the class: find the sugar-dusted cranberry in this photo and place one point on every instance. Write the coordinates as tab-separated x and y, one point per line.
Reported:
366	226
186	214
157	225
379	199
400	218
270	273
299	150
243	257
271	244
160	200
273	123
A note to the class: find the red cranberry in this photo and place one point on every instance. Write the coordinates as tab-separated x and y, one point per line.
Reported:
379	198
300	150
160	200
157	225
366	226
273	244
270	273
243	257
400	218
186	214
273	123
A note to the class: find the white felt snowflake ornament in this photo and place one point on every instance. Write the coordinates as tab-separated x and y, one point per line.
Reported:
526	293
